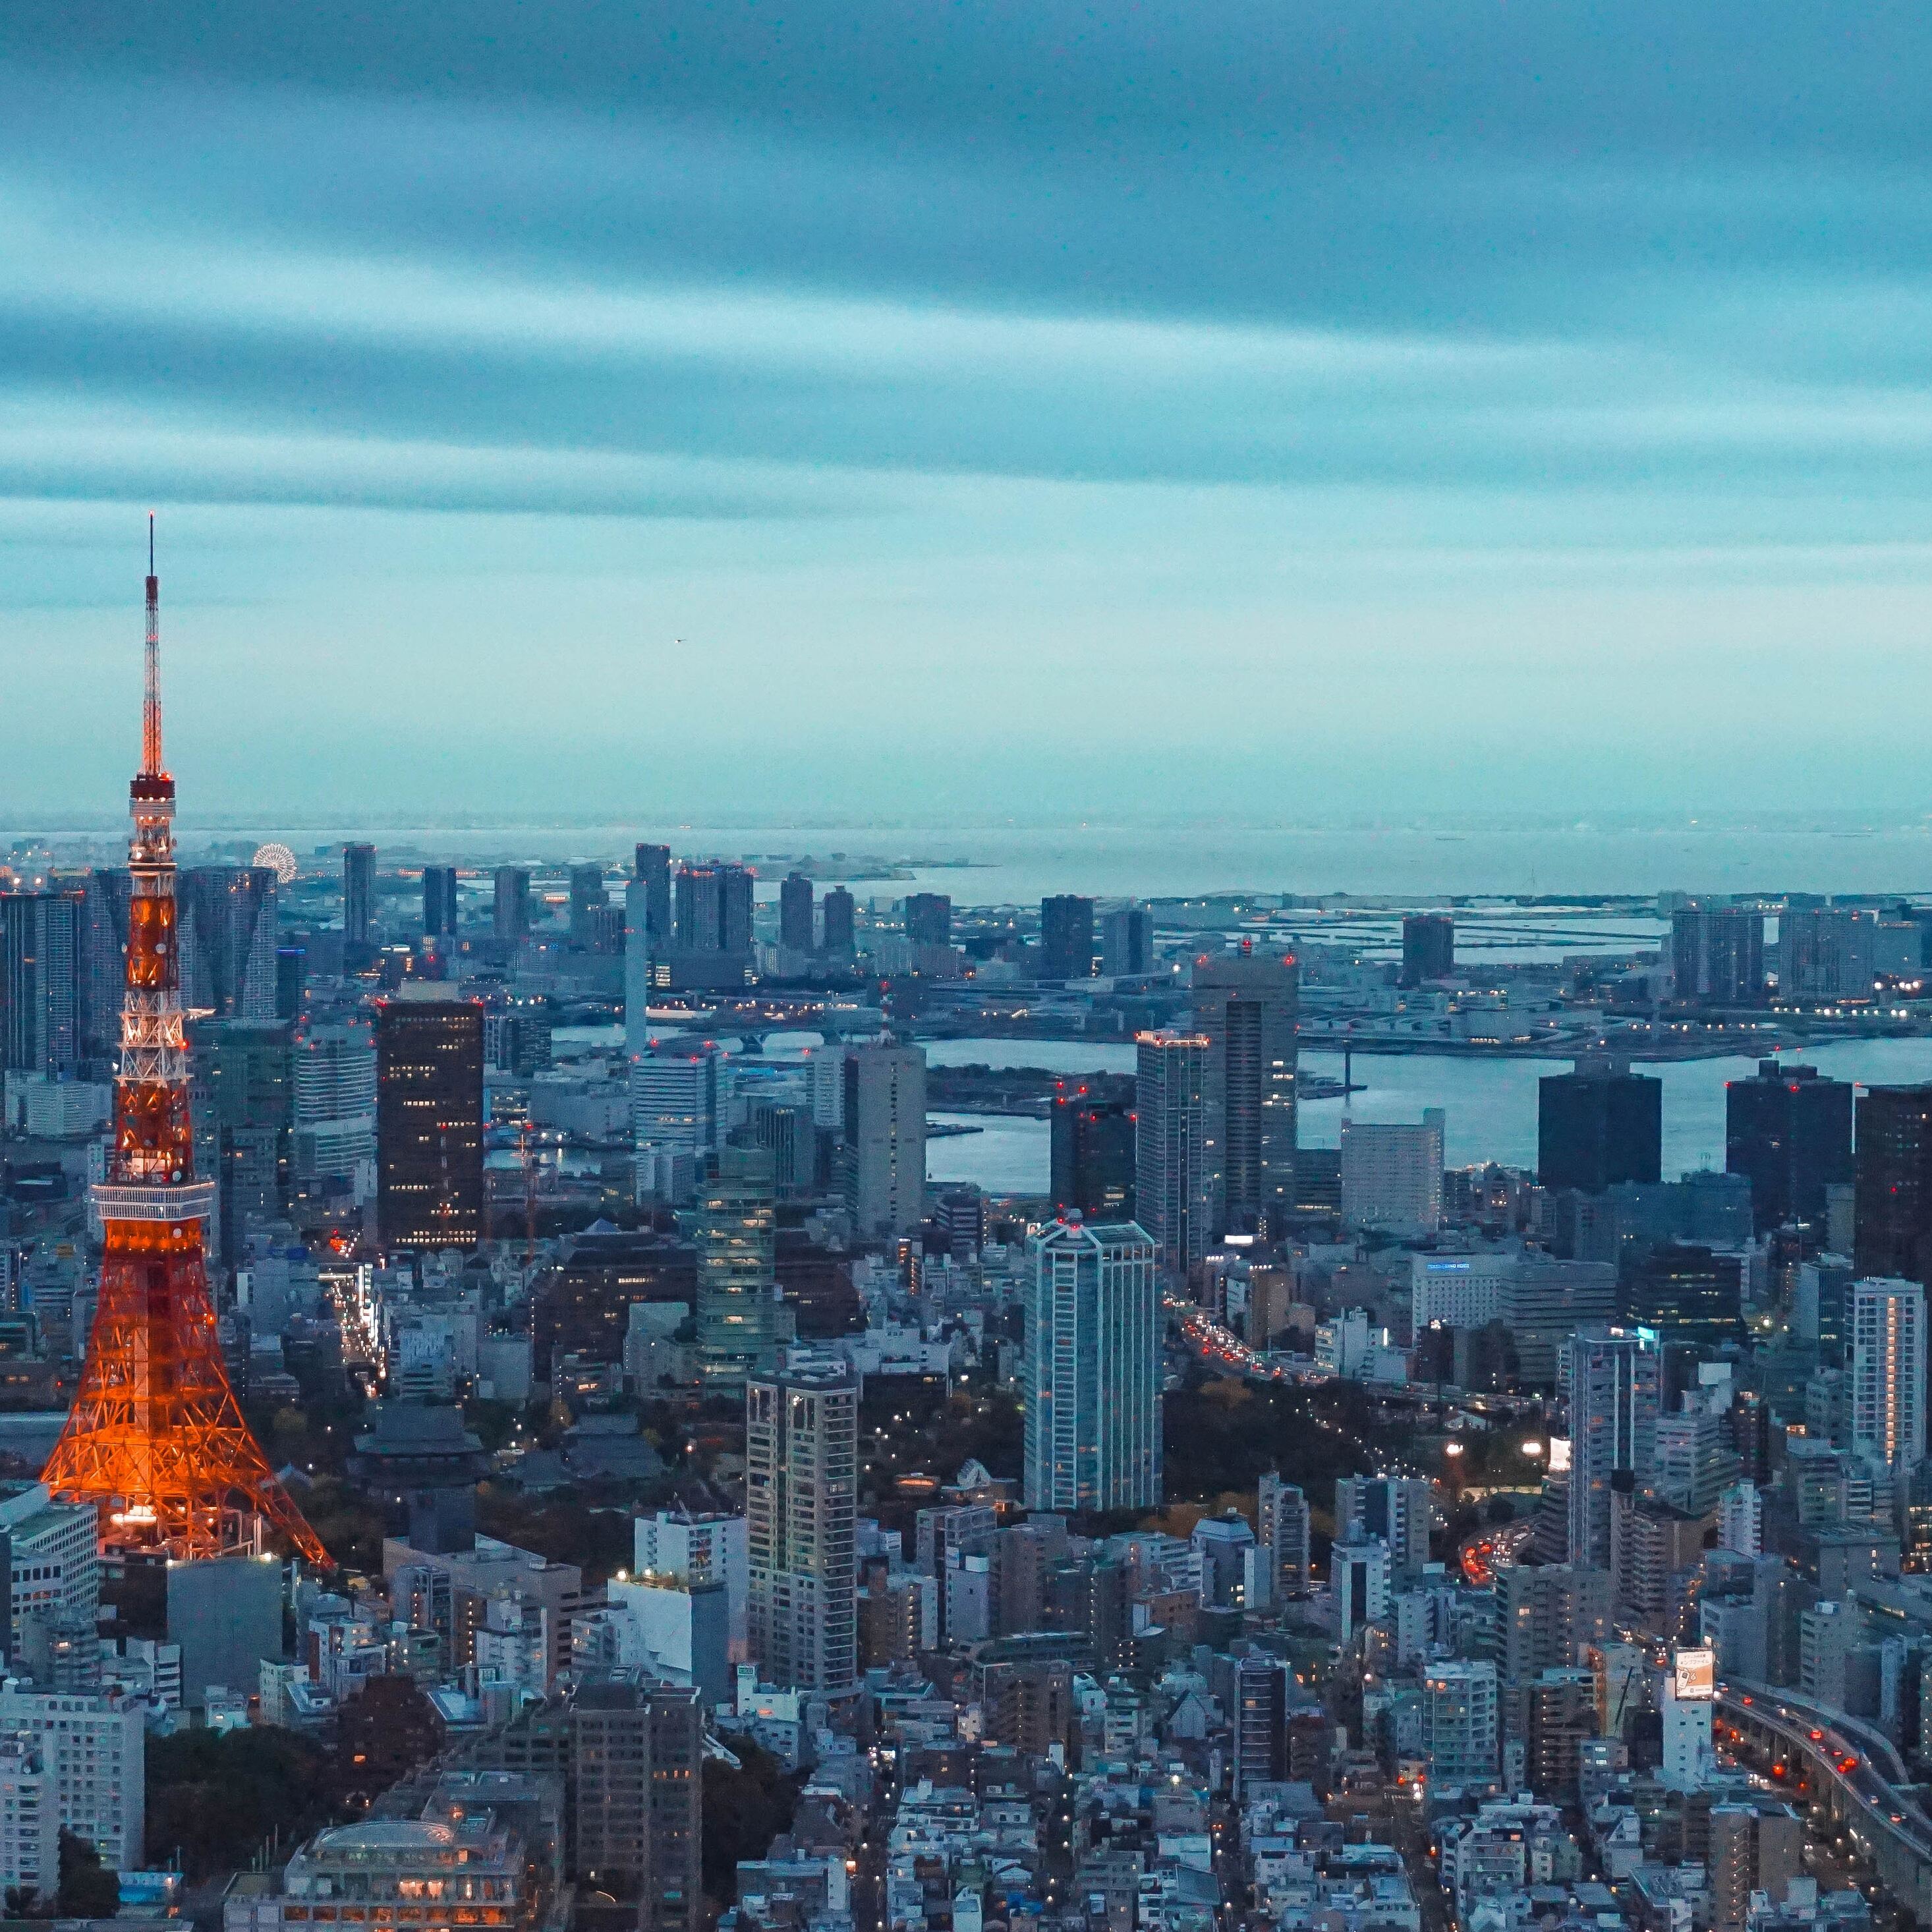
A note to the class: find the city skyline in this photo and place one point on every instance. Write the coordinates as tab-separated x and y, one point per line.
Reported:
1459	402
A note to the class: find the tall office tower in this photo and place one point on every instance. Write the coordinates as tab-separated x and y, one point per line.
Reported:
1065	938
1392	1510
438	901
358	894
513	904
841	928
713	909
1092	1152
587	897
885	1138
104	895
653	865
1717	956
737	1282
155	1439
674	1099
796	931
1428	947
1247	1004
291	981
1790	1133
40	982
1888	1362
1820	1302
1259	1747
1093	1371
1893	1220
228	938
802	1509
1281	1513
1176	1158
1126	942
1392	1174
640	959
1687	1293
1741	1518
1615	1384
1598	1125
1358	1574
429	1119
636	1757
1548	1612
1825	953
929	919
334	1110
1461	1722
245	1070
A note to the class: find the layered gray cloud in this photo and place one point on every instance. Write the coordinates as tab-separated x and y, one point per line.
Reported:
1356	382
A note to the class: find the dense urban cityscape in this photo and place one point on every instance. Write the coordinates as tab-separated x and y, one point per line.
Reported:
504	1429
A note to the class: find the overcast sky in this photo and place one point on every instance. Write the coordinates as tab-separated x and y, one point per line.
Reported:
982	409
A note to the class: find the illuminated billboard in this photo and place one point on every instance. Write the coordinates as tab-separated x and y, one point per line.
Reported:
1559	1454
1695	1677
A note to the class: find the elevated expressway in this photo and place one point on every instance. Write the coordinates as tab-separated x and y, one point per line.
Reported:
1844	1767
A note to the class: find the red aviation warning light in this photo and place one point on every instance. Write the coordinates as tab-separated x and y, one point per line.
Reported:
155	1437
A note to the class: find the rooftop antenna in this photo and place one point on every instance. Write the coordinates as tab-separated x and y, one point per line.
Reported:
151	705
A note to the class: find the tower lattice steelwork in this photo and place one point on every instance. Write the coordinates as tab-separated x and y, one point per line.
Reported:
156	1437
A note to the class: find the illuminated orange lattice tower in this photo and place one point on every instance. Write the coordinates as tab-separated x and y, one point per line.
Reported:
156	1437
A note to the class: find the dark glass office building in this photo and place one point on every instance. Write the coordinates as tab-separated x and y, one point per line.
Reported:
429	1121
1597	1125
1893	1207
1789	1132
1092	1157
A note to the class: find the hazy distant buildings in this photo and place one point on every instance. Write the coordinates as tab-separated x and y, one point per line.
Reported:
711	931
1177	1157
358	894
227	941
1428	947
839	912
929	919
1094	1369
796	913
429	1119
439	884
1826	952
639	963
1127	941
1789	1132
1065	938
104	895
1717	956
1599	1125
652	864
512	914
1245	1004
885	1138
587	897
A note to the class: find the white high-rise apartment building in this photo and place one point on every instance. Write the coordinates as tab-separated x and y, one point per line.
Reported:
54	1562
802	1512
1392	1174
1741	1520
1176	1150
699	1549
95	1748
30	1819
1358	1574
1460	1721
1284	1521
1094	1370
1885	1353
1615	1385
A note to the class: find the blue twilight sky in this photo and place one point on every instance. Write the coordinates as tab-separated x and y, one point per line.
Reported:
949	410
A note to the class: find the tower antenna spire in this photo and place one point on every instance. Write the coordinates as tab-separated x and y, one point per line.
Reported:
150	704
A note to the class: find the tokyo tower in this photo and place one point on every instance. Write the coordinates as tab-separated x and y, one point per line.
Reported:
155	1436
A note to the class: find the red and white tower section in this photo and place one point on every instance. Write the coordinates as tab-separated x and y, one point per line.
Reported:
156	1437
